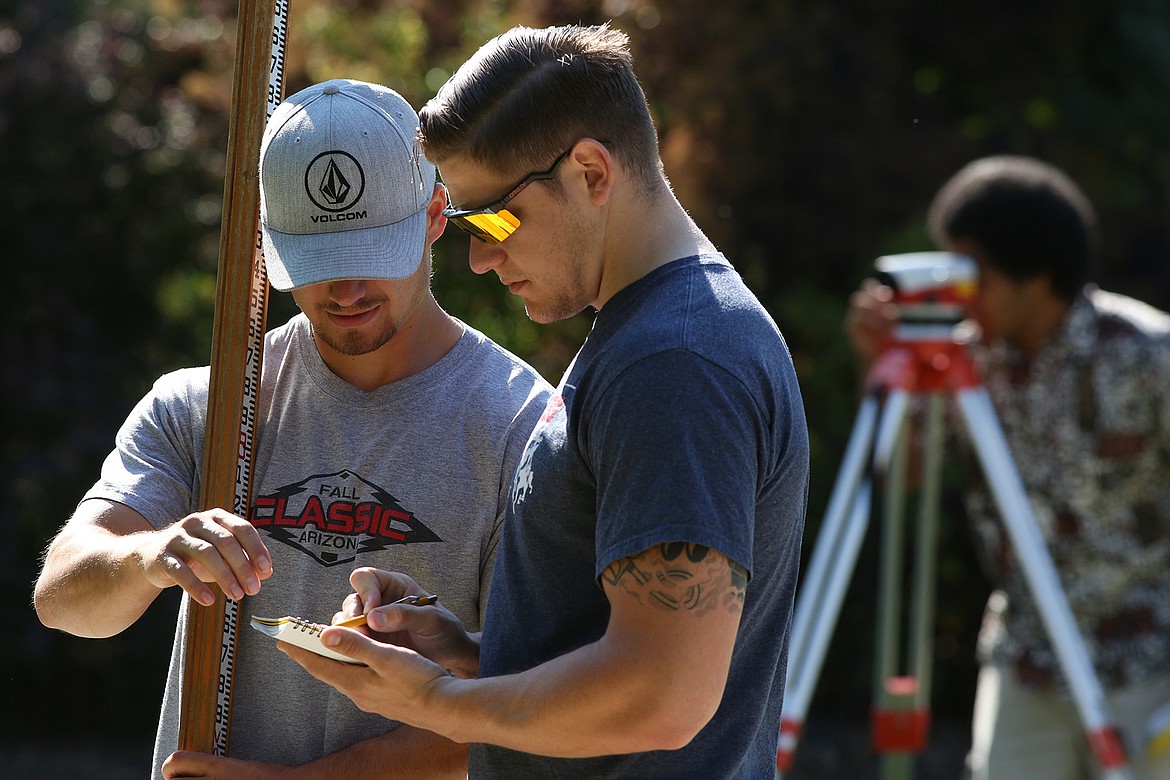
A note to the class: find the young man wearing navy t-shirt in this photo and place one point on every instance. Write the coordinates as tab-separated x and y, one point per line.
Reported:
639	615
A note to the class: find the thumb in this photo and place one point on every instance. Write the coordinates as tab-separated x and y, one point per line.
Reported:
387	619
350	643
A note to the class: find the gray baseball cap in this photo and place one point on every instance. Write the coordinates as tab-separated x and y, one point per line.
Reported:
343	186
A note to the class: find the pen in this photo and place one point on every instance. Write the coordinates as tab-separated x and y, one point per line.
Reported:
414	601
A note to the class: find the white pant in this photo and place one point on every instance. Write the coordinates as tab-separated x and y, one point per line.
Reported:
1020	732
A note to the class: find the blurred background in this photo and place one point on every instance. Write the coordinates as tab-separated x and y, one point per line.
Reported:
806	138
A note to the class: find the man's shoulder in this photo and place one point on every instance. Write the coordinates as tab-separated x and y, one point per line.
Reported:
1122	317
725	322
695	309
282	337
501	360
183	385
697	297
495	378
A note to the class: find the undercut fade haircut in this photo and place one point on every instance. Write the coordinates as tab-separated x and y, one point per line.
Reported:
529	94
1027	216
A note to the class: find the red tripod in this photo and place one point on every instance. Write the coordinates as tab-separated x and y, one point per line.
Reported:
923	360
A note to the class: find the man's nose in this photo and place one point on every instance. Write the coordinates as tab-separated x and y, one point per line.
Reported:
484	257
346	292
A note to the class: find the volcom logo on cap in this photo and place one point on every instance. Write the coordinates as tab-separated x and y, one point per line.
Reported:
335	182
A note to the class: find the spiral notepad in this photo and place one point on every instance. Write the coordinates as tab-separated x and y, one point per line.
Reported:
300	632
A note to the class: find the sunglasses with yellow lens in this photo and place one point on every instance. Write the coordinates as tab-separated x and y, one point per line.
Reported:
493	223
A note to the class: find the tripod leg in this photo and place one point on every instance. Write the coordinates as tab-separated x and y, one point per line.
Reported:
889	602
822	589
901	716
890	428
890	465
922	622
1040	572
889	701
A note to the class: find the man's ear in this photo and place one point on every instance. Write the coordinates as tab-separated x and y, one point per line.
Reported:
436	222
597	168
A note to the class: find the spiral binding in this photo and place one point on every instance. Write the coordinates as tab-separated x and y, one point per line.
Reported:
306	625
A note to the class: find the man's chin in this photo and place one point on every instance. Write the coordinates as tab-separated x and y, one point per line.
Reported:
547	315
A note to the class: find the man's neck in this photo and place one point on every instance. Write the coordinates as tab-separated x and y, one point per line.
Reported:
422	340
1047	318
647	234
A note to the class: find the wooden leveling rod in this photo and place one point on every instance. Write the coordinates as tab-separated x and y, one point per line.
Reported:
241	301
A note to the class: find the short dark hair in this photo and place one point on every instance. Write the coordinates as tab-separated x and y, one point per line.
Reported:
1027	216
527	95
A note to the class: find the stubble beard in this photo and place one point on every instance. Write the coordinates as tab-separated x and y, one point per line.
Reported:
560	307
354	343
568	297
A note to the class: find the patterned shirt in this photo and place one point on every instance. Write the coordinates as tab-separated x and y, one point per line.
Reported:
1088	424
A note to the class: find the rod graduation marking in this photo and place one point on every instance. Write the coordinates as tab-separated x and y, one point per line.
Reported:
257	307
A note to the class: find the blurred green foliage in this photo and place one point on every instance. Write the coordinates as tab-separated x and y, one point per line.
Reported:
805	137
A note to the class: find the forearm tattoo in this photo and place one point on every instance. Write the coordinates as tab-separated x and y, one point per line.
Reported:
680	576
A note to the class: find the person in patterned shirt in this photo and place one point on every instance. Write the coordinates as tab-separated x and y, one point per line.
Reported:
1080	379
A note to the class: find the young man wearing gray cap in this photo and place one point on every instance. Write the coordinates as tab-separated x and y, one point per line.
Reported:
388	432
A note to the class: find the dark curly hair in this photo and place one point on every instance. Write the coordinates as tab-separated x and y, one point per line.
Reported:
1027	216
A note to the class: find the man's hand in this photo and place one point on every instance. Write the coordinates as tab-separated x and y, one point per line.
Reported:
395	681
871	319
432	630
186	763
211	546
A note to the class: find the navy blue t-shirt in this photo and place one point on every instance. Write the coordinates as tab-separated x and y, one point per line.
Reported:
680	419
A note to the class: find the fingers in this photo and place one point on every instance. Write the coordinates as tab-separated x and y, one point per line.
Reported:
188	763
388	619
351	607
396	616
871	318
214	546
367	586
355	682
247	537
185	763
168	569
391	683
344	677
883	292
348	642
872	302
220	543
375	587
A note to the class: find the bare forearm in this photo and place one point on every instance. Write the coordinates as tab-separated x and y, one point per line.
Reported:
406	753
108	564
594	701
650	683
403	753
92	584
588	702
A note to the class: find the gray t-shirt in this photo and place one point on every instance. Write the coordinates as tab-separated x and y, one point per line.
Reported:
411	477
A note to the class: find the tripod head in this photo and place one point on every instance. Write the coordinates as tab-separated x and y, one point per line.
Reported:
932	289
